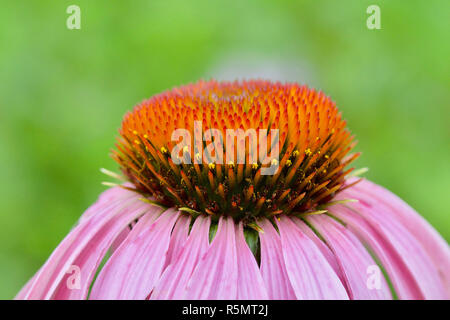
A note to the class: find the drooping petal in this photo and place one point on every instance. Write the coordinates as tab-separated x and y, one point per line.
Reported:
327	253
178	238
403	281
250	282
410	268
135	267
353	259
273	268
107	199
90	258
435	246
174	280
52	272
310	274
23	292
215	276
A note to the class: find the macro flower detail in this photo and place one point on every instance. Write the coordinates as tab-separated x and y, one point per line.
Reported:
197	217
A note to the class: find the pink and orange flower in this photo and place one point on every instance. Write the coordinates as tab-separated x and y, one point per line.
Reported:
224	230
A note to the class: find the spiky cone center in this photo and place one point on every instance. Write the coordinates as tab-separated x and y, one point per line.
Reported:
313	149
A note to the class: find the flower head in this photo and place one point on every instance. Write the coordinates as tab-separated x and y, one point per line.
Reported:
200	218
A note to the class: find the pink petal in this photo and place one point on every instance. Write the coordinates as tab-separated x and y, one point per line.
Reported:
23	292
273	268
403	281
135	267
435	246
53	271
108	198
327	253
90	258
410	268
175	278
353	259
120	238
310	274
178	238
215	276
250	282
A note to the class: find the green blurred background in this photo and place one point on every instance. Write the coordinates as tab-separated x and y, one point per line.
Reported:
63	94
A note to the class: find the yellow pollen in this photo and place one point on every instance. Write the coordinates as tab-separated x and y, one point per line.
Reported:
288	163
308	152
211	165
295	153
163	150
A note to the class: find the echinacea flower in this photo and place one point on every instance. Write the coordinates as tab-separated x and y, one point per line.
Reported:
184	227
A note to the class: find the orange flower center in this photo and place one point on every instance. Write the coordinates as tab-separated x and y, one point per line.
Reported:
246	149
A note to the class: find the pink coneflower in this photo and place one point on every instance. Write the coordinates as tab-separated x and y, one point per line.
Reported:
224	230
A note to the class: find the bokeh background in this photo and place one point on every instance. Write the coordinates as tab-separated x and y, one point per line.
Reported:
63	94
